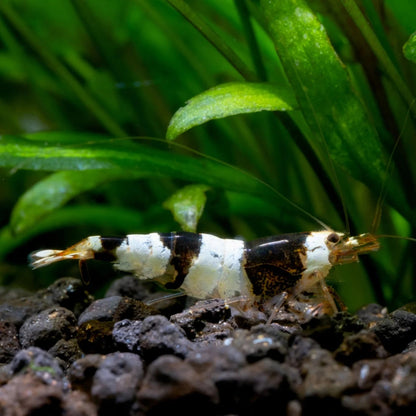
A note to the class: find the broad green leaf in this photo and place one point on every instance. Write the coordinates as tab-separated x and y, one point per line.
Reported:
325	94
409	48
53	192
133	160
20	153
128	160
187	205
227	100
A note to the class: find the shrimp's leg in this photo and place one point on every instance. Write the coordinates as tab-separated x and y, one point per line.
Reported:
328	295
276	303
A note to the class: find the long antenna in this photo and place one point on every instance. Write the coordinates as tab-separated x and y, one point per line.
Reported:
219	161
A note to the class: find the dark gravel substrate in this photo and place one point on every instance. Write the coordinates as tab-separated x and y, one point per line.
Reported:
64	353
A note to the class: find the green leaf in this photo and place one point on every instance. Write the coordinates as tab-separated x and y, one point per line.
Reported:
187	205
227	100
409	48
20	153
130	160
53	192
106	161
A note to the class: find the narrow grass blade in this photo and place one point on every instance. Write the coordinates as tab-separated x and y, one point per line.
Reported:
216	40
334	113
50	60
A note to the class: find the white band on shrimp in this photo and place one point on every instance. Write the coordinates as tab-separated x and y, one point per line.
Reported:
217	270
144	255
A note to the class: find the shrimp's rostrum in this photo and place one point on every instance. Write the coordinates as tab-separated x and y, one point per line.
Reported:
205	266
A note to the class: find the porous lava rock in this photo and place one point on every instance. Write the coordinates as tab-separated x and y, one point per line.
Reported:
64	353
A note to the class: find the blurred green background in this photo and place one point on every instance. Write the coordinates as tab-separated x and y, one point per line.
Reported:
89	88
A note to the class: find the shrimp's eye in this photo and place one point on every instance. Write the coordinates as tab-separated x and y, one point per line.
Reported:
333	238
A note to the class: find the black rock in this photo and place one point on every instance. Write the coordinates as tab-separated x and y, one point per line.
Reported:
26	394
396	330
82	371
158	336
126	335
213	361
367	372
9	343
67	351
387	387
365	344
194	319
38	362
152	337
260	342
300	348
69	293
46	328
256	388
371	313
66	292
115	308
133	309
172	386
330	331
116	382
323	376
100	310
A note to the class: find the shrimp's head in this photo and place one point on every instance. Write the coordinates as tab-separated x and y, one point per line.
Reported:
346	249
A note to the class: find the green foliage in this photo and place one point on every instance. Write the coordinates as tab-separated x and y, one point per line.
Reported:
94	92
409	48
228	100
187	206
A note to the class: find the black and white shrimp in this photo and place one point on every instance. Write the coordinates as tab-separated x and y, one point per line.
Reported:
205	266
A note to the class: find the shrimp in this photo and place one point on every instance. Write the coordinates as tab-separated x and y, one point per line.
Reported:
203	266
